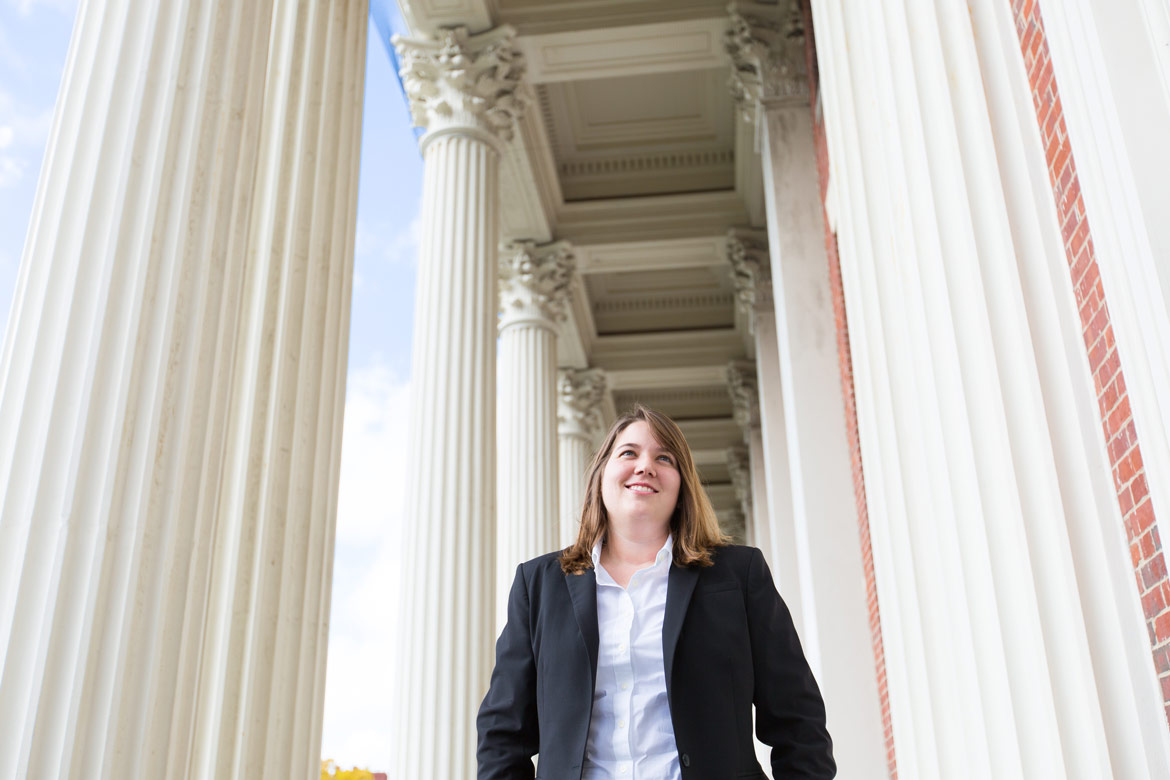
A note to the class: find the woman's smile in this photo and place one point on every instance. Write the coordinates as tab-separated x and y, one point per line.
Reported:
641	480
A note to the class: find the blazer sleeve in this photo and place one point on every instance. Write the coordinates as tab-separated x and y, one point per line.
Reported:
507	723
790	713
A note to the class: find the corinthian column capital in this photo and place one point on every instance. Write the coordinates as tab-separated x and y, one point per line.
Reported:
579	394
751	269
745	394
535	282
766	44
463	83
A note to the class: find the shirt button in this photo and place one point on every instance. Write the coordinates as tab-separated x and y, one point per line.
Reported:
621	724
625	769
625	686
621	648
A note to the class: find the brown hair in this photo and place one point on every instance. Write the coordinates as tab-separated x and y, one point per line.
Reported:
693	524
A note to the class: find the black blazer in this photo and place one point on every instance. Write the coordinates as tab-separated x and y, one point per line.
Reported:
728	643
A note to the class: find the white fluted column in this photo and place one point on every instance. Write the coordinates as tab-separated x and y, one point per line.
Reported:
534	287
172	393
767	49
465	90
982	491
579	396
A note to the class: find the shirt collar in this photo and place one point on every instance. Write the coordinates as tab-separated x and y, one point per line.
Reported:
666	553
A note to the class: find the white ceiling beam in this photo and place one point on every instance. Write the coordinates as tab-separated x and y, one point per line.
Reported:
667	349
425	17
691	44
699	252
667	379
712	436
651	218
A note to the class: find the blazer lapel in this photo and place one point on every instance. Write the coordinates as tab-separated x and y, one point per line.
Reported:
583	592
679	588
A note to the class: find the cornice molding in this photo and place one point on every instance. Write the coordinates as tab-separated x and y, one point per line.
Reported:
650	218
648	163
426	17
663	303
628	50
667	350
464	83
534	282
766	46
714	434
660	379
662	254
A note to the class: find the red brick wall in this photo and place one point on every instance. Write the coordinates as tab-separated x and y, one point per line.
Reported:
845	363
1129	475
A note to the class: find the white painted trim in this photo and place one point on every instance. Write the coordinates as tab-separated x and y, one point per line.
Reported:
606	52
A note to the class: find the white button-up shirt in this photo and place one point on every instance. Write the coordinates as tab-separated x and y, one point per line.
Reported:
631	735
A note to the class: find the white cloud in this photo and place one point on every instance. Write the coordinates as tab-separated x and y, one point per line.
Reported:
11	170
26	7
373	456
359	690
6	135
398	248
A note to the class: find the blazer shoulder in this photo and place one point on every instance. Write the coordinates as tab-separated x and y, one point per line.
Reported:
735	556
542	565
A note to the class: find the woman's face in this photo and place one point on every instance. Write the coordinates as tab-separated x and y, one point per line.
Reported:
640	483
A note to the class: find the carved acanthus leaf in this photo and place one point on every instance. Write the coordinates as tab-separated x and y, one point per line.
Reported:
745	394
535	281
766	45
751	270
464	80
580	392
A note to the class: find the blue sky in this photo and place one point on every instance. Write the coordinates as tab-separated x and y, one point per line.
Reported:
34	40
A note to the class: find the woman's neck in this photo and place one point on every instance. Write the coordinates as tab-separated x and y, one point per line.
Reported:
633	549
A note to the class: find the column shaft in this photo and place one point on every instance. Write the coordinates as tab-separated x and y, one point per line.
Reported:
178	341
579	396
963	400
528	473
448	580
462	88
534	283
573	455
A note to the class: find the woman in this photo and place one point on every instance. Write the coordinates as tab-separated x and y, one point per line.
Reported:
639	651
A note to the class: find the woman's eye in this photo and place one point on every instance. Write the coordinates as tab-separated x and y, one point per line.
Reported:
666	459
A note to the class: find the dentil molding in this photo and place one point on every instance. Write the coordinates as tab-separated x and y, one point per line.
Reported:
535	282
466	83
